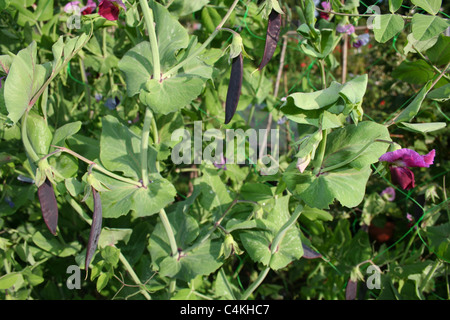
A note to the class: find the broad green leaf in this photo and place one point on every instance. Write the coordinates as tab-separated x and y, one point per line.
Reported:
425	27
416	72
413	108
44	10
348	186
349	142
423	127
214	193
314	100
440	94
39	134
389	26
439	54
111	236
394	5
124	197
65	131
54	246
183	7
256	192
10	279
439	237
353	91
257	241
420	46
430	6
120	149
25	78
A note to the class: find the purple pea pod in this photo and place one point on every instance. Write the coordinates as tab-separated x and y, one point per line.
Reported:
309	253
351	289
234	87
272	35
96	228
49	207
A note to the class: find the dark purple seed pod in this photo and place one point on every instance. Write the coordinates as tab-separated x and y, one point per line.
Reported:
234	87
96	228
272	35
351	289
49	207
309	253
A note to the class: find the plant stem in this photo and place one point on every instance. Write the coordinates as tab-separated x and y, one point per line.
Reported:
144	146
26	143
134	276
318	159
169	232
437	263
255	284
204	45
122	258
282	232
149	22
98	167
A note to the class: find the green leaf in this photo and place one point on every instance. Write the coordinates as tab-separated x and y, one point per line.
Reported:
413	108
256	192
389	26
346	143
314	100
348	186
394	5
439	54
430	6
353	91
425	27
25	78
65	131
440	94
10	279
420	46
120	149
423	127
44	10
257	242
39	134
416	72
439	237
213	191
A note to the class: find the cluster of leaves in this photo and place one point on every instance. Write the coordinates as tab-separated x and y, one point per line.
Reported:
89	114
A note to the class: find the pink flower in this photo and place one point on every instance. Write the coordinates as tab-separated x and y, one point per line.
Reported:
71	6
89	7
348	28
400	160
109	9
388	194
327	7
222	163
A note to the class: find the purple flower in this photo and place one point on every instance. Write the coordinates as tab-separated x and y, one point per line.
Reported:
400	160
98	97
222	163
327	7
112	103
72	6
388	194
89	7
361	40
109	9
348	28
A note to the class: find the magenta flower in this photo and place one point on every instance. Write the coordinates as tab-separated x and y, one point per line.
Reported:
71	6
327	7
222	163
89	7
388	194
400	160
109	9
348	28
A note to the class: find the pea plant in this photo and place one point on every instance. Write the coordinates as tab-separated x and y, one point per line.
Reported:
224	149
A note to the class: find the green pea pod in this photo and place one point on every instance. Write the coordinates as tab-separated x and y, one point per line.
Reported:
49	207
272	35
234	87
96	228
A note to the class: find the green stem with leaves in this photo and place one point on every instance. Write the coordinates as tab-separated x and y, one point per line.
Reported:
144	146
149	22
205	44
